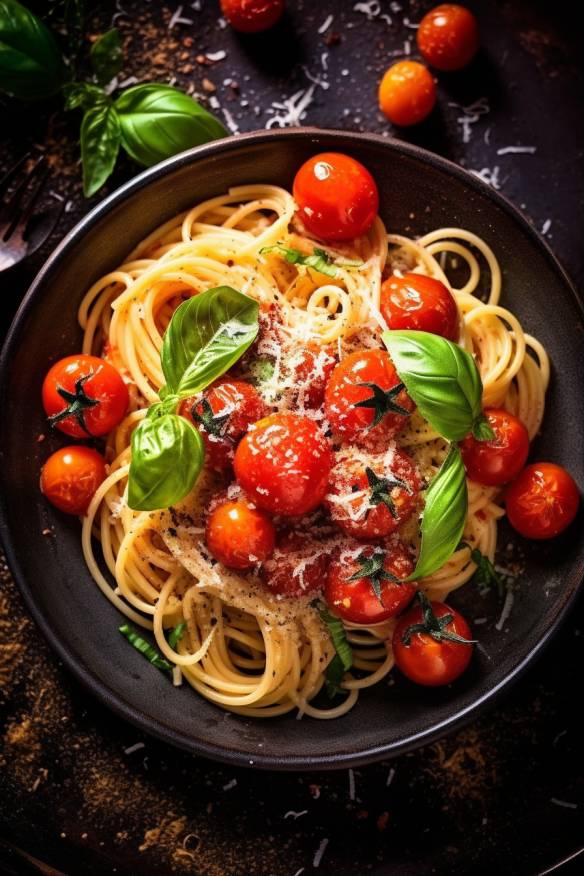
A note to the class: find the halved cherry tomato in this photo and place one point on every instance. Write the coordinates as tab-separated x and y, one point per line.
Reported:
70	477
297	567
421	303
355	575
365	401
448	37
407	93
542	501
84	395
311	369
238	534
428	656
497	461
336	196
252	16
370	498
222	416
283	463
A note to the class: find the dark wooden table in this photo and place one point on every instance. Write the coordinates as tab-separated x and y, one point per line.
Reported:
85	793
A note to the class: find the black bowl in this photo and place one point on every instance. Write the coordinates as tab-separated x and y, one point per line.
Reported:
82	625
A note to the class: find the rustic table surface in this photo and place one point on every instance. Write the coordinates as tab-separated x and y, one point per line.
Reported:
82	792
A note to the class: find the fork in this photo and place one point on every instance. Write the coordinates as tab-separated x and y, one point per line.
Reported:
22	231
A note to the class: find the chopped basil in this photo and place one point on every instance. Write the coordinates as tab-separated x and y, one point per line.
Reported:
144	647
176	634
343	659
485	574
320	260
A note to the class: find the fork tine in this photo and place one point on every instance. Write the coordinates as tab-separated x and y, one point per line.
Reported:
12	205
11	173
23	210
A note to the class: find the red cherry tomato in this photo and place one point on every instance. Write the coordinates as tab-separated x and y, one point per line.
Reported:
355	600
70	477
407	93
222	416
370	499
336	196
91	390
542	501
421	303
497	461
427	660
346	392
311	369
283	463
297	568
239	535
448	37
252	16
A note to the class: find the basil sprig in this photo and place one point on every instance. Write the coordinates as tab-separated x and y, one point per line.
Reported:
443	381
343	659
444	515
205	337
319	260
31	65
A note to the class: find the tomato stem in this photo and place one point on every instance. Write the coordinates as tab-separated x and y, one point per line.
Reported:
76	403
382	402
433	626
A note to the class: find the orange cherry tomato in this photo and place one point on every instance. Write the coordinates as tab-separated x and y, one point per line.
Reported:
283	464
448	37
499	460
252	16
239	535
91	390
297	567
407	93
421	303
70	477
336	196
542	501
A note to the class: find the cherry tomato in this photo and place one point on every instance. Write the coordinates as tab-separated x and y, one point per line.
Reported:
311	369
283	463
91	390
297	567
70	477
429	660
421	303
370	501
542	501
239	535
252	16
222	416
448	37
499	460
407	93
366	415
336	196
356	600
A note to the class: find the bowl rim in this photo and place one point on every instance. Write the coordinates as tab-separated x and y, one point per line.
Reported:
115	701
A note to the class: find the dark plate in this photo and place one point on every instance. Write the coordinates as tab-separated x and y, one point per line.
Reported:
82	626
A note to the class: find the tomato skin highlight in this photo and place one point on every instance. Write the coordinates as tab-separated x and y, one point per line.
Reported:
448	37
497	461
344	390
426	661
239	535
252	16
105	386
280	575
421	303
336	195
542	501
70	477
356	601
283	464
407	93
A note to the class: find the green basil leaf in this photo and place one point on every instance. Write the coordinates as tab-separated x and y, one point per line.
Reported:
106	56
83	95
31	66
486	574
144	647
343	659
176	634
100	143
167	456
441	378
158	121
444	515
207	335
320	260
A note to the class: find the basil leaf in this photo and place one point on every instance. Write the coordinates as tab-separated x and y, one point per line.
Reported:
106	56
84	95
144	647
444	515
320	260
207	335
100	143
167	456
176	634
158	121
343	659
486	574
441	378
31	66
